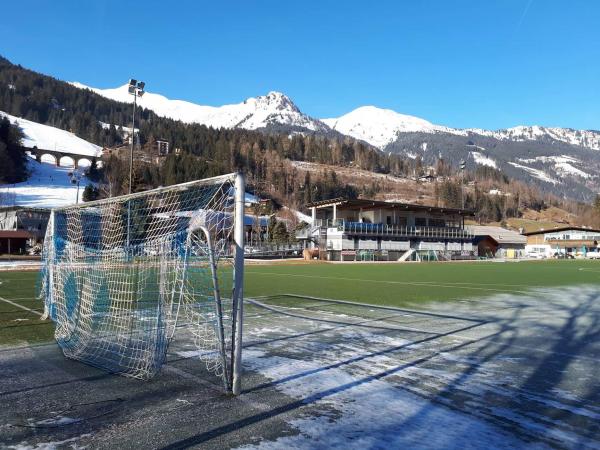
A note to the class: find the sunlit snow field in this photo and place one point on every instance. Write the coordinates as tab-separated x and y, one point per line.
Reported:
48	186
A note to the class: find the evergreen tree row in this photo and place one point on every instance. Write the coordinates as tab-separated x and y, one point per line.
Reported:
13	168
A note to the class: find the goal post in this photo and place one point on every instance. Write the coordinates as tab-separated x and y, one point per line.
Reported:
238	302
123	277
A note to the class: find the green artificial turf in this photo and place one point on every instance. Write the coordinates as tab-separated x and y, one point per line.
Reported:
410	284
381	284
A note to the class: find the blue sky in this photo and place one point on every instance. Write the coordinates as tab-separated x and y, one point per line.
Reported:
479	63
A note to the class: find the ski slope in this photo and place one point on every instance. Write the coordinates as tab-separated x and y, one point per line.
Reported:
51	138
47	187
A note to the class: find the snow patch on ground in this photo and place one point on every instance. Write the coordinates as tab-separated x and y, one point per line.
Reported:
48	186
374	414
539	174
563	164
67	443
483	160
58	421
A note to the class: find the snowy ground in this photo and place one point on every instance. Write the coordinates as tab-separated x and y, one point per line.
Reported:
47	187
503	372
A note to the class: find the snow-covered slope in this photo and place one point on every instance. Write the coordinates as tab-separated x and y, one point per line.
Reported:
583	138
50	138
47	187
273	109
379	127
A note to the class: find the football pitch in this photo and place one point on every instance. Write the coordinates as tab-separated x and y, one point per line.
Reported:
429	355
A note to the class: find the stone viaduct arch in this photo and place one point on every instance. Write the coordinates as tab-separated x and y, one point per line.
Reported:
37	153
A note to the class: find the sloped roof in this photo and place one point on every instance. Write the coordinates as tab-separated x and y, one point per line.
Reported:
15	234
499	234
558	229
361	203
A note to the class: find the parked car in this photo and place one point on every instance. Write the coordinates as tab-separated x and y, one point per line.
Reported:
559	255
594	254
535	255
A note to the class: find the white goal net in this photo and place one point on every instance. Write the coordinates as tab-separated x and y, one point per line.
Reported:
123	276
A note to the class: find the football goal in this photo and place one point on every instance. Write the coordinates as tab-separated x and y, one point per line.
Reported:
124	276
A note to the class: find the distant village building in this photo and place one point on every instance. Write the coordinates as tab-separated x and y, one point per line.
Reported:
21	228
162	147
499	192
576	241
497	242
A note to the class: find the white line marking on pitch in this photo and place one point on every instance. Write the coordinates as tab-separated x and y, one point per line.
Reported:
414	283
588	270
33	311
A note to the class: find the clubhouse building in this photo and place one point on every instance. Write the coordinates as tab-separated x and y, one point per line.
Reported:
361	229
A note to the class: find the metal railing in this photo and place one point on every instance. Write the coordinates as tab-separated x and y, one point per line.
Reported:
381	229
265	250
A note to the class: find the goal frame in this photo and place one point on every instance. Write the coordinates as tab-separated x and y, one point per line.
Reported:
233	379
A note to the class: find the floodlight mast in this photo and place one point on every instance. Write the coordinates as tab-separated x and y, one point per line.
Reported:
462	166
136	88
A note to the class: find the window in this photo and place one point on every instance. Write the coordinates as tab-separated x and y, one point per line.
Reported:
388	220
420	222
437	223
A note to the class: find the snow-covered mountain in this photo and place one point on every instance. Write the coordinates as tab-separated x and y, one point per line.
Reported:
51	138
272	110
376	126
562	160
583	138
380	127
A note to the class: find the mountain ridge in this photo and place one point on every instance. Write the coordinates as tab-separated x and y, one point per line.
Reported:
563	161
254	113
376	126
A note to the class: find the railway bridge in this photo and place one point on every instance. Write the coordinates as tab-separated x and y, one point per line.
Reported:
58	155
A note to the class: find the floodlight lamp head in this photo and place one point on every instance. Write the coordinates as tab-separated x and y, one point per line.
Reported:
141	85
131	89
140	93
132	82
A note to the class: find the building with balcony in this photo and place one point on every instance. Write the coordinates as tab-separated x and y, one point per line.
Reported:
22	228
361	229
576	241
32	220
